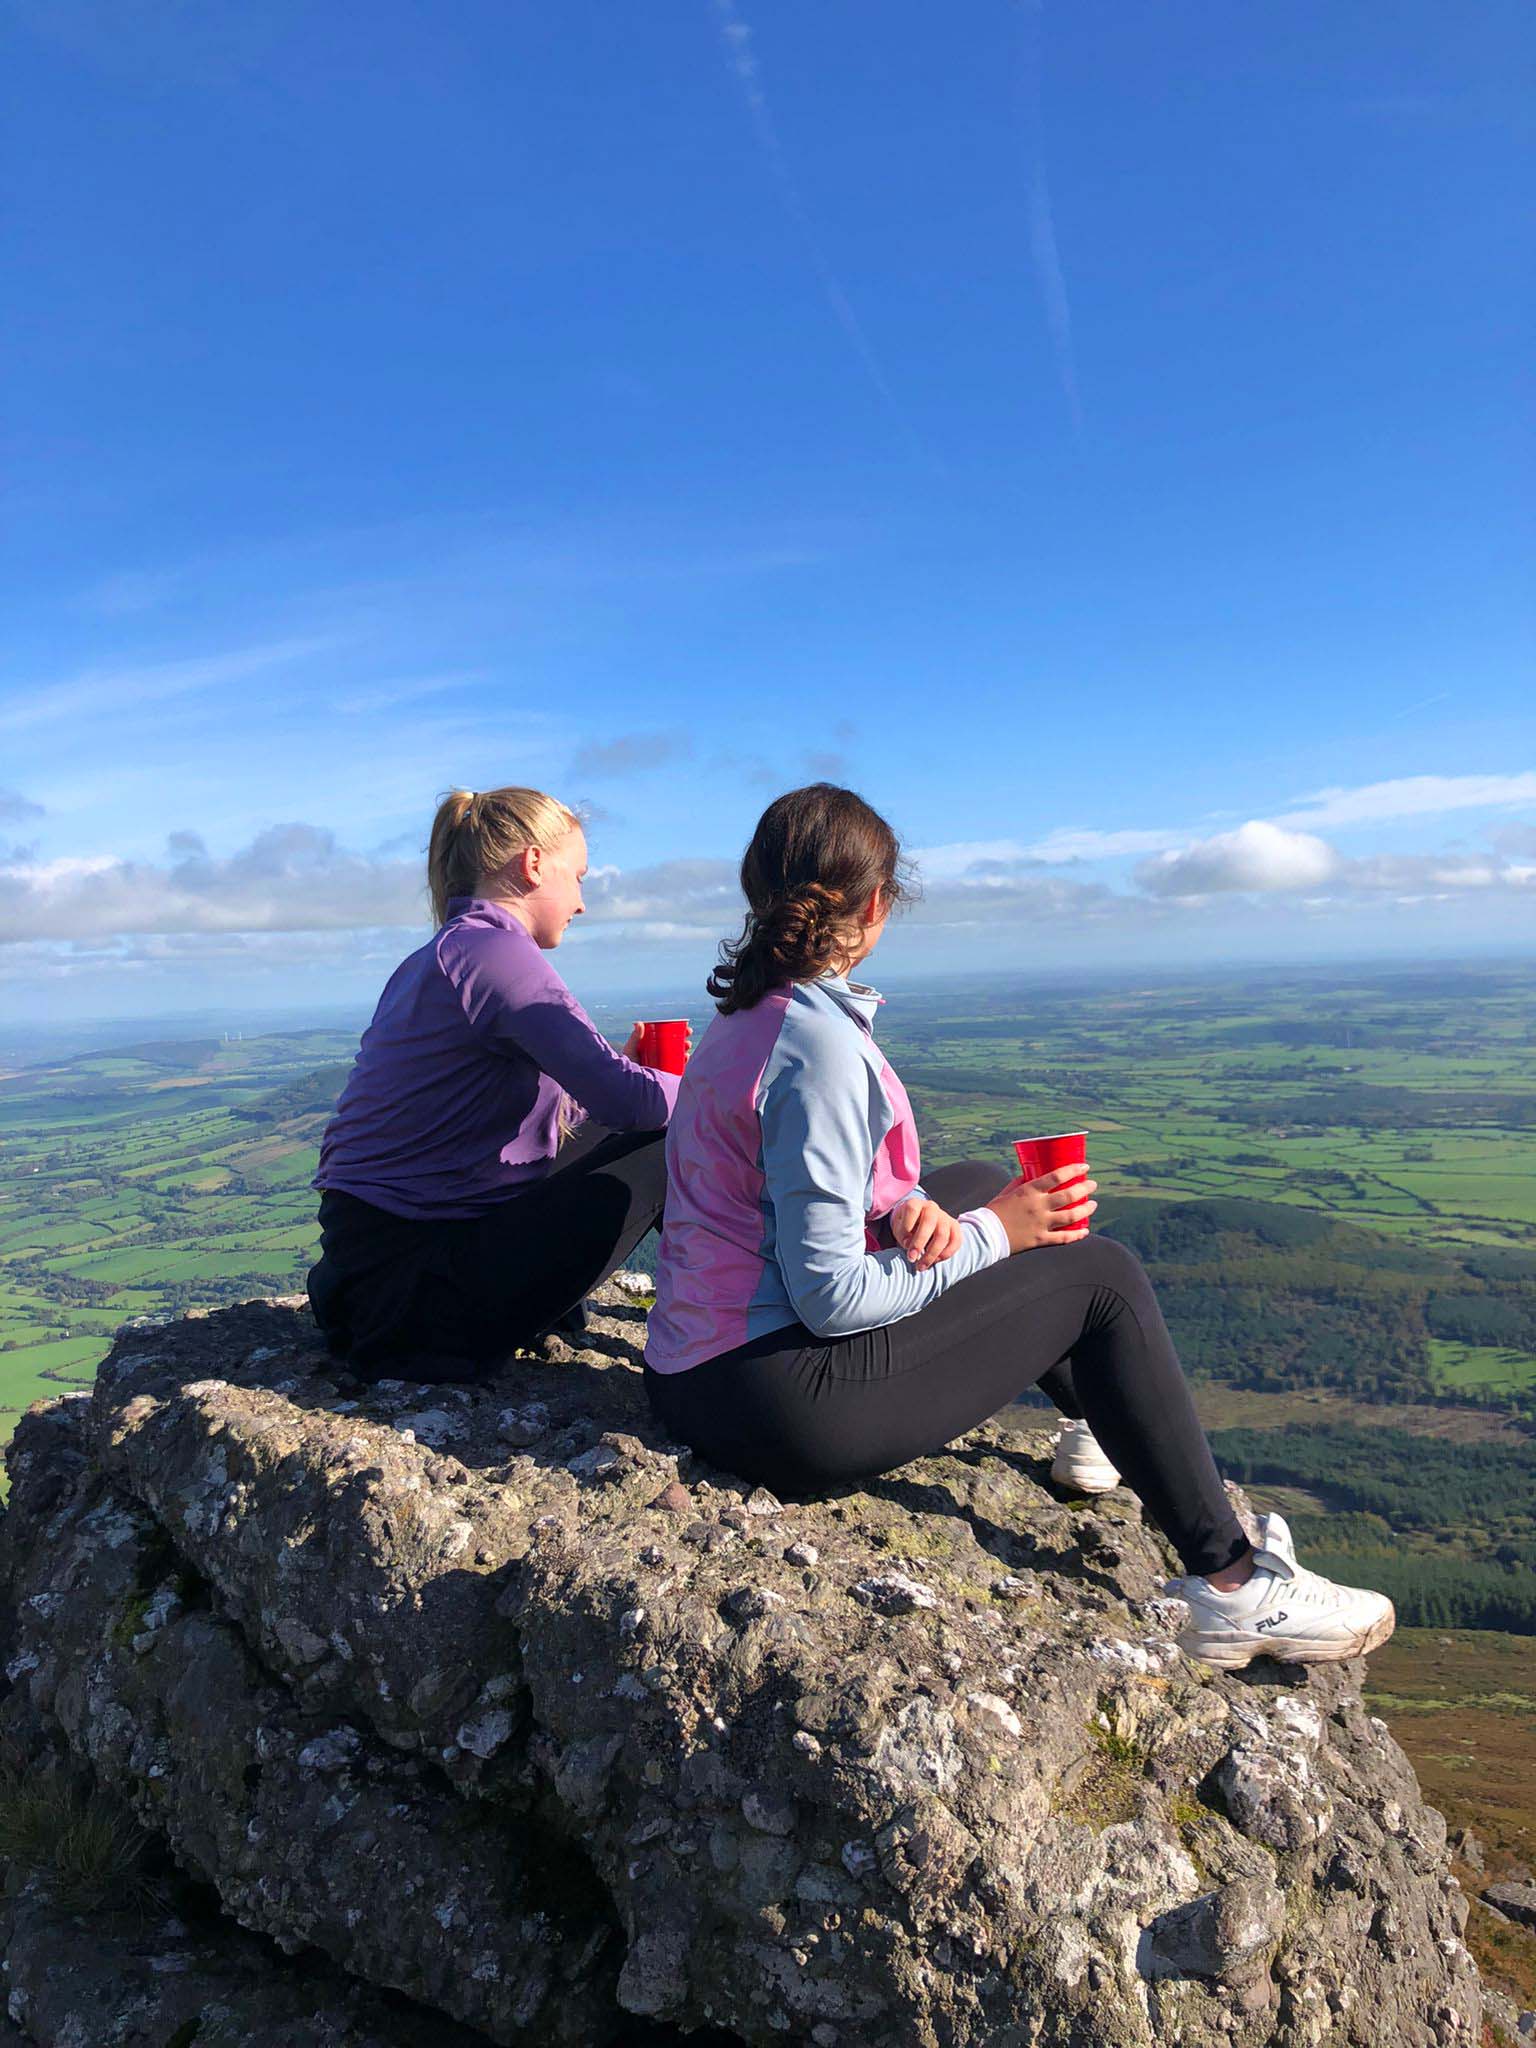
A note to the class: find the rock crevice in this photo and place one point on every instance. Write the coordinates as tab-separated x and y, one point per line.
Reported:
509	1708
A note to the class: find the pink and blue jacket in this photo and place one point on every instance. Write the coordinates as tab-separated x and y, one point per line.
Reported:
791	1141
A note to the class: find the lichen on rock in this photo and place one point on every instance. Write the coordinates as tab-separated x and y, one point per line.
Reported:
510	1708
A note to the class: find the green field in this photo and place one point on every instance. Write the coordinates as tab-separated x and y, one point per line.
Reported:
1401	1108
147	1180
1481	1365
1405	1103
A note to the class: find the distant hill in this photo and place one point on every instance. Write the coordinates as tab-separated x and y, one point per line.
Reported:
174	1055
306	1095
1367	1105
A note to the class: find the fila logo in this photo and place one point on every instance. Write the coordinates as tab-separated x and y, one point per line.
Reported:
1271	1620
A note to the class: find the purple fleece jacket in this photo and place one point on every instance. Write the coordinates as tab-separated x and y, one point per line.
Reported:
453	1104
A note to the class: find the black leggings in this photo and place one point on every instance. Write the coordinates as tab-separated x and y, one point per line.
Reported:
406	1298
1079	1320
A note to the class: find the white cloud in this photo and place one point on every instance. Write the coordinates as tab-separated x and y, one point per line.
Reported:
1258	856
1068	844
698	895
1433	874
736	35
297	878
1404	797
1041	225
290	878
1262	858
300	879
97	693
384	696
960	856
996	897
1409	796
1063	847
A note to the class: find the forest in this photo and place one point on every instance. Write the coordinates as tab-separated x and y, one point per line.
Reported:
1275	1298
1447	1529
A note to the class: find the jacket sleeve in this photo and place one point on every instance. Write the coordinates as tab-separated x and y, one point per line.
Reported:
818	1148
514	1005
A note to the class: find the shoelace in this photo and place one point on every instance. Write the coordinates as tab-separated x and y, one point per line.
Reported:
1308	1589
1313	1590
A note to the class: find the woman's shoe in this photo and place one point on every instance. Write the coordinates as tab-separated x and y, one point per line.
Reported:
1283	1611
1080	1461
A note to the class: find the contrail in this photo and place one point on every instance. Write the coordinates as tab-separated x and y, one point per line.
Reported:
737	37
1042	225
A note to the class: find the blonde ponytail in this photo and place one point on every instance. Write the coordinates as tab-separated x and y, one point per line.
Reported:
477	832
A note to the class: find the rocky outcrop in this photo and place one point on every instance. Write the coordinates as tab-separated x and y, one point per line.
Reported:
137	1981
493	1705
1515	1901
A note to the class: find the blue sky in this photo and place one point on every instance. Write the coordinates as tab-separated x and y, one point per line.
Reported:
1097	434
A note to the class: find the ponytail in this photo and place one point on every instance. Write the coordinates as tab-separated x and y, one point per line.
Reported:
816	858
477	832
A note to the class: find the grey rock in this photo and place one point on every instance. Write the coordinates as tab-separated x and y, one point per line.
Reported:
483	1737
578	1756
1516	1902
1015	1586
435	1426
750	1603
332	1751
893	1593
146	1980
1502	2018
525	1425
769	1813
1465	1844
602	1461
1221	1934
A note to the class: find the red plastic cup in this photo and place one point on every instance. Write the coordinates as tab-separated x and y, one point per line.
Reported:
664	1044
1044	1155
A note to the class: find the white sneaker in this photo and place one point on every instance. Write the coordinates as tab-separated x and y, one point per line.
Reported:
1283	1611
1080	1461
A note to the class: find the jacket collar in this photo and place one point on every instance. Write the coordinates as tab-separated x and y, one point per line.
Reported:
855	998
482	911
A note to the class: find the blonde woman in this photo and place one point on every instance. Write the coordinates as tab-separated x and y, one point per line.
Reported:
450	1229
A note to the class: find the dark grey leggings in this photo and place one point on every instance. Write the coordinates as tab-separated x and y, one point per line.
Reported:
1080	1321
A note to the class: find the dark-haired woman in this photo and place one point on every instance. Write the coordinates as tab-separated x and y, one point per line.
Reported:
822	1316
492	1158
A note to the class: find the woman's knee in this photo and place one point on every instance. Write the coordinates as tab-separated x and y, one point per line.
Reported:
1115	1265
968	1184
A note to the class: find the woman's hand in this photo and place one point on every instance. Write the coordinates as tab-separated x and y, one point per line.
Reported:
1047	1210
926	1233
630	1049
